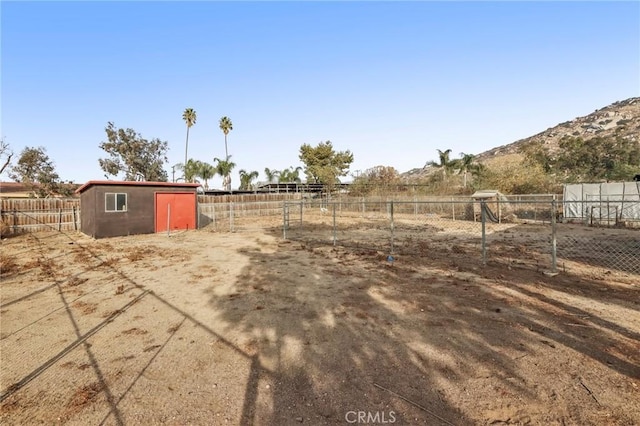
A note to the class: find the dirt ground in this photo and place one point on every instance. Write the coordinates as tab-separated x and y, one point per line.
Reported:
246	328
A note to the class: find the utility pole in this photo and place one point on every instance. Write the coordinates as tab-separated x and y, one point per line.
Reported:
173	174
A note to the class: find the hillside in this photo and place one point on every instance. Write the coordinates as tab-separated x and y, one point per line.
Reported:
622	117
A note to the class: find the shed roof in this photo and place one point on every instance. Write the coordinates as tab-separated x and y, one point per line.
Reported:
134	183
486	193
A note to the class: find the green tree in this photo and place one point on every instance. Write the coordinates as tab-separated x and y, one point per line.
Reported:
271	175
189	117
290	175
246	179
35	169
190	172
205	171
129	153
323	164
446	164
467	164
224	169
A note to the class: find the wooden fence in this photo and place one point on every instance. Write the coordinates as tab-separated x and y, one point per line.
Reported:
35	214
19	215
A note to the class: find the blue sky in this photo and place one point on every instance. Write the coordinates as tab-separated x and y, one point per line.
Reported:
392	82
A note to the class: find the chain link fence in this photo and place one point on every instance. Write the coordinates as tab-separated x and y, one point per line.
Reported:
520	232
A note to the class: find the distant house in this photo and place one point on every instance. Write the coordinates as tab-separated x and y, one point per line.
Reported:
116	208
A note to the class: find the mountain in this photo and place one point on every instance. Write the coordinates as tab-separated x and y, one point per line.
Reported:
622	117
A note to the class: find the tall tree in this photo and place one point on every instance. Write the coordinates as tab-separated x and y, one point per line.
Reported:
323	164
224	168
246	179
131	154
226	126
206	171
36	170
189	117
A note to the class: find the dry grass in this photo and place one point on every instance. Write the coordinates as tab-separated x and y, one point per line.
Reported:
8	264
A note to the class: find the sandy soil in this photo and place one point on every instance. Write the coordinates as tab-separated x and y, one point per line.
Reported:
244	328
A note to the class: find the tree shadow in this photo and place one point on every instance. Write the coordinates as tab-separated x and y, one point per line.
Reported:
332	322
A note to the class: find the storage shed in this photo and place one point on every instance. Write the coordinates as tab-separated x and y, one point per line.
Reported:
116	208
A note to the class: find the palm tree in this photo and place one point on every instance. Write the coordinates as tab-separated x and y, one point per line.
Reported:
445	164
466	164
271	175
246	178
290	175
190	171
224	168
226	126
189	117
206	171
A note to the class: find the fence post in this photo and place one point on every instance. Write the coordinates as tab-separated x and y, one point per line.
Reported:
483	215
415	203
363	206
285	207
554	259
334	224
301	207
15	221
453	210
392	225
59	220
75	223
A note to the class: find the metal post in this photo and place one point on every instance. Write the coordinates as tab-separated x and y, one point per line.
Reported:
334	224
453	210
59	220
285	206
301	207
75	223
554	260
231	216
168	220
392	225
483	215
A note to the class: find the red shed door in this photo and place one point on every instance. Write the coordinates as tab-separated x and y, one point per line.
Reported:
175	210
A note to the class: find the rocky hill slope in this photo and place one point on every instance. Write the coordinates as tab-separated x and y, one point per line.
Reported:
622	117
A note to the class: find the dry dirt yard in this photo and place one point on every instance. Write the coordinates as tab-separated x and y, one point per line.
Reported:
209	328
